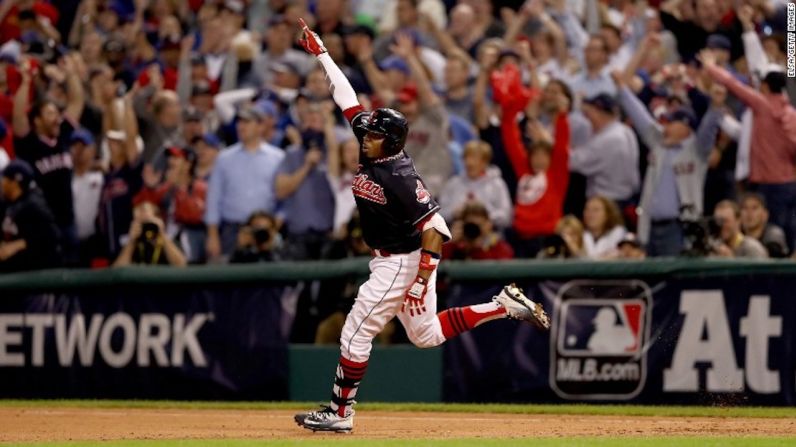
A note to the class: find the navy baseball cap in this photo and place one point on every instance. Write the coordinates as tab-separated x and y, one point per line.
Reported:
20	172
211	140
395	63
602	101
81	135
719	41
250	113
682	114
267	108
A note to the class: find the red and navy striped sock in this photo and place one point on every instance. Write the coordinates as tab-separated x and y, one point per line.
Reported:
456	320
346	382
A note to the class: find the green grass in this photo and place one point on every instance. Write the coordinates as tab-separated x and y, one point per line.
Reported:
583	409
338	440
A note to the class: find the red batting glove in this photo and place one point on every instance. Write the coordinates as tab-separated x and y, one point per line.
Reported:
415	298
311	42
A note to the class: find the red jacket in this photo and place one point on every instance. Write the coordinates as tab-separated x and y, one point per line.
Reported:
539	202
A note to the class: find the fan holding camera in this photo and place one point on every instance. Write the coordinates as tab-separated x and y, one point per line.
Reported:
147	242
257	240
474	236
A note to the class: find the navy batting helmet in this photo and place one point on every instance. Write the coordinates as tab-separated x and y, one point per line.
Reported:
390	123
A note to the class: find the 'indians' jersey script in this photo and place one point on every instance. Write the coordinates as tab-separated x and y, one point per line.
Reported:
391	198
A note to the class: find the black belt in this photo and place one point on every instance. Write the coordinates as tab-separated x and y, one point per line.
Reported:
665	221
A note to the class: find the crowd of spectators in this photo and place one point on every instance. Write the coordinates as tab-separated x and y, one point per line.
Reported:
188	132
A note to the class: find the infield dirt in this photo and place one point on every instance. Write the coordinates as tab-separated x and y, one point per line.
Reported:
23	424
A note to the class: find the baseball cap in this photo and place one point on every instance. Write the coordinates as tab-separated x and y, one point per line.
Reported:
631	239
117	135
211	140
719	41
81	135
169	43
359	28
682	114
19	171
602	101
284	67
235	6
201	88
407	94
278	19
197	59
114	45
10	52
395	63
249	113
180	152
191	113
267	108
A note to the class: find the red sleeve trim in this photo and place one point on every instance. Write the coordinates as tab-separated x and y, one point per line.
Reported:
351	112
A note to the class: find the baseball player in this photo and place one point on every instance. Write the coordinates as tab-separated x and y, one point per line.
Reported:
401	224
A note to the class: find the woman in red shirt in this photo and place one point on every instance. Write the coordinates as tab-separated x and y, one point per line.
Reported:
542	170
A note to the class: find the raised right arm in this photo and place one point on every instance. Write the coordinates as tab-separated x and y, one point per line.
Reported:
343	94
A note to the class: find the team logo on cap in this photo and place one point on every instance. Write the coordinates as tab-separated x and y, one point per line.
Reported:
599	333
423	196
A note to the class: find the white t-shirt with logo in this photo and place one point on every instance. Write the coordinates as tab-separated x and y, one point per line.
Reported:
86	190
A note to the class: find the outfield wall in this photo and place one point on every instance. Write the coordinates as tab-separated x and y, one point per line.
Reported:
679	331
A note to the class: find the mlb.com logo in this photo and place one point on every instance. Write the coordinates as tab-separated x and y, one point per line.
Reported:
599	332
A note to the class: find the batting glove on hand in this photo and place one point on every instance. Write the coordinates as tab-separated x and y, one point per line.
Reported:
415	298
311	42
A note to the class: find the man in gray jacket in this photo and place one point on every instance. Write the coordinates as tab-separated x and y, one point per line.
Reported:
674	183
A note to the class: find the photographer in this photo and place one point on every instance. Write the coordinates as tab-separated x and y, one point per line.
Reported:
148	244
567	242
474	237
755	224
733	243
257	240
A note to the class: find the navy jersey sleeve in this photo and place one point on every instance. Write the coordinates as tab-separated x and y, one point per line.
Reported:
412	196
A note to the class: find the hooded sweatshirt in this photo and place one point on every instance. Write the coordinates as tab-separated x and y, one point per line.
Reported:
489	189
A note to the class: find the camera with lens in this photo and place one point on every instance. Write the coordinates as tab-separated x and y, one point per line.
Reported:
149	231
261	236
701	235
471	231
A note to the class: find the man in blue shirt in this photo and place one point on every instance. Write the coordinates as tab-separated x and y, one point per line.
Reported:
241	183
303	184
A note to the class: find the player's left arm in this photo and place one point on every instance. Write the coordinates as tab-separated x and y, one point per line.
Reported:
434	233
342	92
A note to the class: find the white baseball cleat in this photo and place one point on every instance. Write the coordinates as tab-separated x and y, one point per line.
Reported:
519	307
326	419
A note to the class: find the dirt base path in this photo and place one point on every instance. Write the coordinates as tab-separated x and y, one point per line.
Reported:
64	424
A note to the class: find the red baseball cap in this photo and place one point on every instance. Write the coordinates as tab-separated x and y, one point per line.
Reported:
408	93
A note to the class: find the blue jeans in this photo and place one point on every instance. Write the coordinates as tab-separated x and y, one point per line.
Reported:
666	238
781	203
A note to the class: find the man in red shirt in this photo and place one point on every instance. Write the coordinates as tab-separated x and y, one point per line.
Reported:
772	170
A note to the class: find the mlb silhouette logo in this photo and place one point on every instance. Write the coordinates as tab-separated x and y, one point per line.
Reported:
612	328
598	336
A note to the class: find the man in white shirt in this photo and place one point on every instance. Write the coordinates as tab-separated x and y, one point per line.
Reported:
86	189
